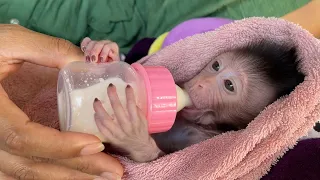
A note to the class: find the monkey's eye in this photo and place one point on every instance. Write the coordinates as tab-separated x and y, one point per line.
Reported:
229	86
216	66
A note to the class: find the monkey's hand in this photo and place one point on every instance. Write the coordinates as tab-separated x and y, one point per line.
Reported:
127	129
100	51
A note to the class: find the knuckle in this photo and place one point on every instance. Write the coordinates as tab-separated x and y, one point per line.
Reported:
87	51
43	160
24	173
96	49
116	46
83	166
100	43
13	140
92	43
106	48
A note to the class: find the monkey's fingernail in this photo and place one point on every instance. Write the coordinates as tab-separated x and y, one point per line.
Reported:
93	58
111	85
87	59
96	99
83	48
111	176
101	59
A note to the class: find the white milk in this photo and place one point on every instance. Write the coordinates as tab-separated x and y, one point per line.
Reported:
82	119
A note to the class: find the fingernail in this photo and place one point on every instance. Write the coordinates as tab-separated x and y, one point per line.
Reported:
96	99
83	48
92	149
111	176
101	59
93	58
110	85
87	58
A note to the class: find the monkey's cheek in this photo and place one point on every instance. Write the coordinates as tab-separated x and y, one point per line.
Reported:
196	101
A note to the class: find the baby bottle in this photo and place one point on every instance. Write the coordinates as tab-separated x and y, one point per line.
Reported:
156	93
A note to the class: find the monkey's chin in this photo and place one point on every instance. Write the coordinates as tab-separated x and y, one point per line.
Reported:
191	113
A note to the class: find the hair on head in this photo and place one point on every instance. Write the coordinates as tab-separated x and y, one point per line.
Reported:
277	64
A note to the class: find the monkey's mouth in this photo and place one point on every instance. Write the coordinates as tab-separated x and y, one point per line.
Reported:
190	110
195	105
189	113
192	107
195	99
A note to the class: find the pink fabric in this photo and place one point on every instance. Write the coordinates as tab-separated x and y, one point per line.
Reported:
249	153
246	154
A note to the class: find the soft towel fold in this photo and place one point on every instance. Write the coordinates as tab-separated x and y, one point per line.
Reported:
249	153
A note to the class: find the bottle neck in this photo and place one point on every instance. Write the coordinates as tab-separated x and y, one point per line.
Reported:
183	99
161	96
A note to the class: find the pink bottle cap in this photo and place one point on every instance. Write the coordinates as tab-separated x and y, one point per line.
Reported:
161	97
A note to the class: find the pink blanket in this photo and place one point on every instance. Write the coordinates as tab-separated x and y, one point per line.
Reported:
245	154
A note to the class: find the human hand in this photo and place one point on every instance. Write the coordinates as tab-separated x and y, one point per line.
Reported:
127	129
19	44
31	151
100	51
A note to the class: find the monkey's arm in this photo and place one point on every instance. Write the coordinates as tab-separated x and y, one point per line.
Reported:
127	131
181	135
307	16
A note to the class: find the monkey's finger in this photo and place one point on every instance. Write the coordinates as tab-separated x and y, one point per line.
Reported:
114	47
119	112
132	108
104	53
143	120
107	121
85	43
25	169
96	50
113	56
111	51
111	134
89	48
102	115
99	109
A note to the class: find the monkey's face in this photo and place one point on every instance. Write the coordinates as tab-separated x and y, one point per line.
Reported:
221	90
221	82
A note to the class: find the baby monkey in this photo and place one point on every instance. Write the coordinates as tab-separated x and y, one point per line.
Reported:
227	95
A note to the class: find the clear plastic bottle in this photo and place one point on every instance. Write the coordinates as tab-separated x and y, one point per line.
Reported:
79	83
